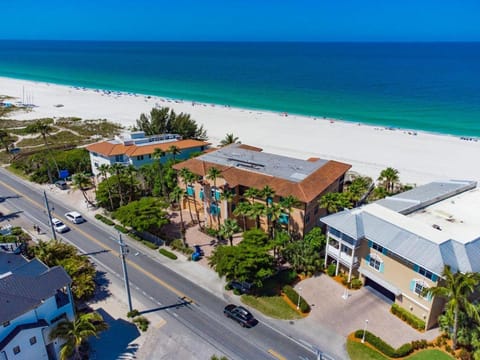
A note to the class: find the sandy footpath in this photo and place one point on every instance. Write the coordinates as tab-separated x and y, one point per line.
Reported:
420	157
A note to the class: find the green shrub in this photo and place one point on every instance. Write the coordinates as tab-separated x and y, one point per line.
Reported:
104	219
228	287
142	323
294	297
149	244
383	347
17	230
8	238
133	313
178	245
211	231
168	254
121	229
237	292
356	283
408	317
332	268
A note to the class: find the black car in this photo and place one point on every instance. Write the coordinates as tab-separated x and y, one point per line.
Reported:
240	315
242	286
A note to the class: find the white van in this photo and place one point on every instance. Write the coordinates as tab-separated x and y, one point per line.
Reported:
75	217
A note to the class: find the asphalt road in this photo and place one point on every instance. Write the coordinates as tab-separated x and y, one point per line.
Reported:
170	293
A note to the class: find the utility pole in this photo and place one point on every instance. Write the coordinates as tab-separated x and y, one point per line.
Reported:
123	252
54	234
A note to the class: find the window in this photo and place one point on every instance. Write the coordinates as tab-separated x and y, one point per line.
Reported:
418	287
6	323
95	164
33	340
316	210
58	318
140	157
307	218
375	263
424	272
149	156
16	350
377	247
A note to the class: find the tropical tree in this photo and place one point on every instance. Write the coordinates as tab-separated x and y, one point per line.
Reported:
272	213
389	179
147	175
159	154
228	229
74	333
213	174
82	182
251	194
5	140
187	176
456	288
176	196
174	151
358	188
118	170
227	196
43	128
334	202
255	212
242	209
130	171
103	171
229	139
287	204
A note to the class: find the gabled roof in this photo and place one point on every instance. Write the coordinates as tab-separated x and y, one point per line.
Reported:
305	188
38	324
26	289
107	148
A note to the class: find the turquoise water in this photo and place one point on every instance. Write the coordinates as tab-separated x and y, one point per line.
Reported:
425	86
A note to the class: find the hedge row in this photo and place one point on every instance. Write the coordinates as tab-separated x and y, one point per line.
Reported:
144	242
178	245
383	347
168	254
104	219
121	229
294	296
408	317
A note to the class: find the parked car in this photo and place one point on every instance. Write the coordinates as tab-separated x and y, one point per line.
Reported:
75	217
242	286
61	184
240	315
59	226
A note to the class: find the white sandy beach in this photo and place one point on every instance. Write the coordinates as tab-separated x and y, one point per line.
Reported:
420	158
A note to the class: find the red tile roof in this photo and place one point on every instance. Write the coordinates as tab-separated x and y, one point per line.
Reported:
306	190
106	148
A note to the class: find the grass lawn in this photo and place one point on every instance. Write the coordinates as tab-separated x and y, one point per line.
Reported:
272	306
358	351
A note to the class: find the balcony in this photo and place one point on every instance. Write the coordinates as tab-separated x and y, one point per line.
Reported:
346	259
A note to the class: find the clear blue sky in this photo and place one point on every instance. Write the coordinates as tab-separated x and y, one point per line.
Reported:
249	20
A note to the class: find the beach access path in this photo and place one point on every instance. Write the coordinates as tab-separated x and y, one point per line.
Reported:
420	157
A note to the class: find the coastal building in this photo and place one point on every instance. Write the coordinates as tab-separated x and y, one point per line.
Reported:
400	245
33	299
136	149
242	167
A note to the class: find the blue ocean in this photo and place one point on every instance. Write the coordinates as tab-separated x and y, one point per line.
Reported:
425	86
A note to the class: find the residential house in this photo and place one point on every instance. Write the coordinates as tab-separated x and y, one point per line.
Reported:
399	245
33	299
136	149
243	167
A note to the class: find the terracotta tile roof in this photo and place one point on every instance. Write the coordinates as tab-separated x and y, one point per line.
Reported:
108	149
305	191
313	159
250	147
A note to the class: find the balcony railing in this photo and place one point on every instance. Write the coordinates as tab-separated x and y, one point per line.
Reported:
344	257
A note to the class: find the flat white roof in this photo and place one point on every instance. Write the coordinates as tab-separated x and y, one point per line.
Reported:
458	216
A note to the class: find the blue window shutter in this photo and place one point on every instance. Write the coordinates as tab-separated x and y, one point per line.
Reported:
370	243
367	258
434	277
412	285
381	267
202	195
217	195
385	251
190	191
416	268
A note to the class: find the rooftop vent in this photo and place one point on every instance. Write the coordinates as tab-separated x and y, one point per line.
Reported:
436	227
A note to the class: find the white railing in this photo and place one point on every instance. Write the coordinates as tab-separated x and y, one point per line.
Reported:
344	257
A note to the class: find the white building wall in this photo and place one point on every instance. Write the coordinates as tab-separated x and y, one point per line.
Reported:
98	160
27	350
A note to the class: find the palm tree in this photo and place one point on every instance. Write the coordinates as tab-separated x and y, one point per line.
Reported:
103	171
287	204
251	194
229	228
456	289
130	171
272	213
186	175
82	182
43	128
5	140
242	209
227	196
159	154
334	202
268	193
174	150
147	174
74	333
118	170
212	174
176	195
256	210
389	177
229	139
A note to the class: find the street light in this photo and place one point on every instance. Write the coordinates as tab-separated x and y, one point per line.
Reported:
364	331
298	302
